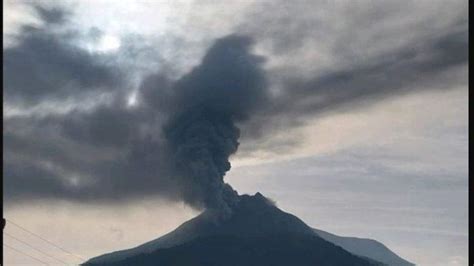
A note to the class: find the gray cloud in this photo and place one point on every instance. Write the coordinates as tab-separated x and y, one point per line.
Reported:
187	162
53	15
48	64
432	63
390	74
114	152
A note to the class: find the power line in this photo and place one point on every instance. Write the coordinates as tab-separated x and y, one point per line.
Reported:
46	240
26	254
51	256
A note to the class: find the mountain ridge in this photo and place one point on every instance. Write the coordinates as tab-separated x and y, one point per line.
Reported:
253	216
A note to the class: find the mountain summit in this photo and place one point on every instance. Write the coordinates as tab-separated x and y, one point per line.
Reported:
256	233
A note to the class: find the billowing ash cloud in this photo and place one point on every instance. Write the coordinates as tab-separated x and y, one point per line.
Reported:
175	143
226	88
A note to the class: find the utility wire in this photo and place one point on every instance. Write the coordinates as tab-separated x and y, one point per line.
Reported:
46	240
42	252
26	254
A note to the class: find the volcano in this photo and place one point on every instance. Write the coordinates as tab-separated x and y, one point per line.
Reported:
256	233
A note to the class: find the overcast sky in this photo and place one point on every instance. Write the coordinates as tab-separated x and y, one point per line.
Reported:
360	126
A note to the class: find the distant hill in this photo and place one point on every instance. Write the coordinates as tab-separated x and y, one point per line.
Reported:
366	248
257	233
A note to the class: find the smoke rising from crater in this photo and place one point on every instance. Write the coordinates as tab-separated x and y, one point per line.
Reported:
175	143
207	103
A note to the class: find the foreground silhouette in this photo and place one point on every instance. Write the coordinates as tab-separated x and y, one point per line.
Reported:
257	233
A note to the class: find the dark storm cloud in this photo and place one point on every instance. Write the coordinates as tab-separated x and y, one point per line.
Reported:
46	63
178	150
177	142
85	165
55	15
382	76
106	126
422	65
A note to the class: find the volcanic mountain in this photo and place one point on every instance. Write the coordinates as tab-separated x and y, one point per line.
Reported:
256	233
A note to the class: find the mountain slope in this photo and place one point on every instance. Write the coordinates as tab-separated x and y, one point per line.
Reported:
254	218
366	248
253	215
230	250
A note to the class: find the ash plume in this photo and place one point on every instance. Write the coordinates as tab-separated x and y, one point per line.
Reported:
202	133
70	133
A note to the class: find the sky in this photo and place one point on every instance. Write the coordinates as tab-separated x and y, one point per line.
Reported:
352	115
